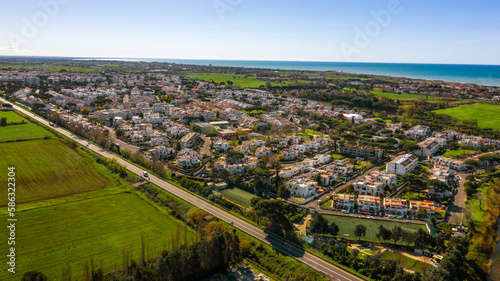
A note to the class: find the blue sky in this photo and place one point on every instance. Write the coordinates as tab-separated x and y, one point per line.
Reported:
418	31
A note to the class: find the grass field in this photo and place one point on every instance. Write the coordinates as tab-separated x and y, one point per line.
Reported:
451	153
348	223
48	169
486	114
26	131
327	203
407	262
102	228
238	196
237	79
402	96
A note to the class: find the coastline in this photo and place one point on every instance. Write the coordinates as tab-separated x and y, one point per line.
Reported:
486	75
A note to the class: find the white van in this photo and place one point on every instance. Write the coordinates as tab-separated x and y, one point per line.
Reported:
145	174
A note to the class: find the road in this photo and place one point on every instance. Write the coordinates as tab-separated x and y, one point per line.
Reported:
123	145
330	271
457	203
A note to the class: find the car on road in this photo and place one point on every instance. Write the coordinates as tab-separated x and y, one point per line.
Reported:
145	174
362	213
371	217
392	216
400	217
345	211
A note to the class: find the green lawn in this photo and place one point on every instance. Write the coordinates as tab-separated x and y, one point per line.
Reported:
49	238
451	153
48	169
487	115
337	156
327	203
312	132
401	96
407	262
477	213
238	195
348	223
25	131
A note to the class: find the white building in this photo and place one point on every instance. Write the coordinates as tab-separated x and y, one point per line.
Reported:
302	187
402	165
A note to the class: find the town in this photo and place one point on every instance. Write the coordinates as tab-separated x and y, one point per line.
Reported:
375	165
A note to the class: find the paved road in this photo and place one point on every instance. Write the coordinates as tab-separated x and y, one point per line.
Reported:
326	268
205	149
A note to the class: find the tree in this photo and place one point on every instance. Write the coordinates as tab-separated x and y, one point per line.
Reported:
474	164
283	192
277	212
3	121
410	146
334	229
254	201
34	276
396	233
383	233
319	224
85	111
359	230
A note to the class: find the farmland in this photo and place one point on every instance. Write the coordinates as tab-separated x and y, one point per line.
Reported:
100	227
25	131
348	223
486	114
48	169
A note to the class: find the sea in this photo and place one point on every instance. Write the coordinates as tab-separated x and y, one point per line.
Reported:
488	75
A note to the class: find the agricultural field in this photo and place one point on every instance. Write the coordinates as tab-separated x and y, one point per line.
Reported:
48	168
407	262
27	131
348	223
238	195
486	114
101	228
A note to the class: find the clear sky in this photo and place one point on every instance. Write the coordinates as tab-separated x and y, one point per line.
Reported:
418	31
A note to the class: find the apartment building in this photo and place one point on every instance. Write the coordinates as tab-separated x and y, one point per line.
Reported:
402	165
396	206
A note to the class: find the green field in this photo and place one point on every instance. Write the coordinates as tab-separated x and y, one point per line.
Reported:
487	115
27	131
407	262
401	96
48	238
451	153
238	195
237	79
348	223
48	169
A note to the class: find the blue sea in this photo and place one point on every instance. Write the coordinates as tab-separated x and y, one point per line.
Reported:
488	75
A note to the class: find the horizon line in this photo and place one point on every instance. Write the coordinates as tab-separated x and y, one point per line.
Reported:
254	60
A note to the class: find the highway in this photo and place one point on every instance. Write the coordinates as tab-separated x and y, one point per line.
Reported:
329	270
